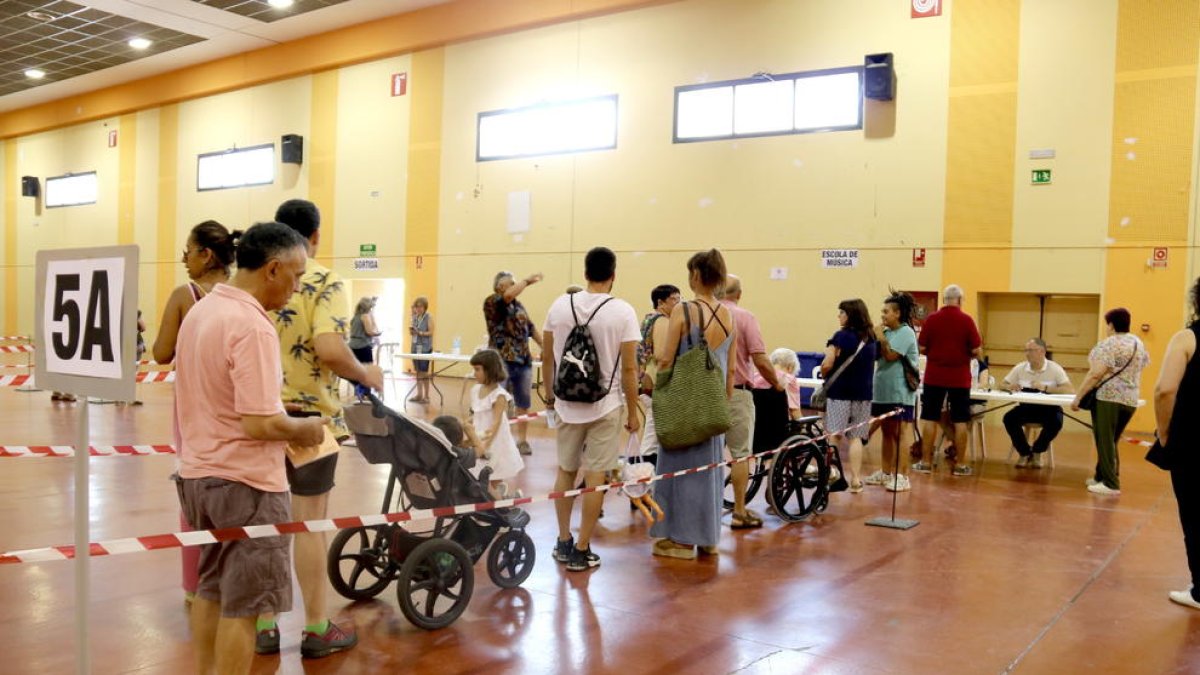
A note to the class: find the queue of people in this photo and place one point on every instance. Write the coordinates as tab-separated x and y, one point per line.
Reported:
283	314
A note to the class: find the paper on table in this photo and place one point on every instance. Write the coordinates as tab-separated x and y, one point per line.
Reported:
308	455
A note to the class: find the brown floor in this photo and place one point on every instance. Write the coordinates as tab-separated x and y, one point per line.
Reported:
1009	571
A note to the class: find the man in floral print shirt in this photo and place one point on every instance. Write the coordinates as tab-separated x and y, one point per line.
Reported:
312	336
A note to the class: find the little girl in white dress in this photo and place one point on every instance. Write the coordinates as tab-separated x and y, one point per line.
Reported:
489	411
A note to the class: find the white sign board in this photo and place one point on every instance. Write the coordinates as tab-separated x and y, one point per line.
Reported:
519	210
86	321
366	264
839	257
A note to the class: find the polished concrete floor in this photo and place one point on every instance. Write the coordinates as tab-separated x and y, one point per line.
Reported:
1009	571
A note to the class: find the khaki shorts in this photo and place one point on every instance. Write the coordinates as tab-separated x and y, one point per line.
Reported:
592	445
741	429
247	577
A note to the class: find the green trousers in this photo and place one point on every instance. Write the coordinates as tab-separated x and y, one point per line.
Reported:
1108	423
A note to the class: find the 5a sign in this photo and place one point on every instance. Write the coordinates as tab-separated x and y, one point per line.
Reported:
87	320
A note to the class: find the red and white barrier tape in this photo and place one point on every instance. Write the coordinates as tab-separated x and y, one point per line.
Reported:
199	538
1138	441
12	451
30	365
15	349
94	451
16	338
149	377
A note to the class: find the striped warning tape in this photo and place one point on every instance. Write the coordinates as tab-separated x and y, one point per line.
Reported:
15	338
94	451
17	451
15	349
1138	441
149	377
199	538
30	365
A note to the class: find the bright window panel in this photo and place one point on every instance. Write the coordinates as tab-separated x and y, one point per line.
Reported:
763	107
576	126
72	190
704	113
236	168
828	101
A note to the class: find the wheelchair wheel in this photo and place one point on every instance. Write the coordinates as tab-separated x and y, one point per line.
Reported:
510	559
757	472
359	565
436	581
799	484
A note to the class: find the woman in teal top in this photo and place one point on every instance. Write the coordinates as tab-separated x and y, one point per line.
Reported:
897	353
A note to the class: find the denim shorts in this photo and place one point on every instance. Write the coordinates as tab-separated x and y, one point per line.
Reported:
520	378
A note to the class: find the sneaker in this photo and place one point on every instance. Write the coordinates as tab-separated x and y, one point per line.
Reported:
335	639
267	641
1184	598
1035	461
1090	482
1102	489
1024	462
524	449
876	478
899	484
922	467
962	470
562	549
581	561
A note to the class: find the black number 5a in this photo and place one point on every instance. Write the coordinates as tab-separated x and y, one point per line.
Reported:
97	333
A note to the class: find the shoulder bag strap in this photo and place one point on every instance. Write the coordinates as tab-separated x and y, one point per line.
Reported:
1131	358
845	364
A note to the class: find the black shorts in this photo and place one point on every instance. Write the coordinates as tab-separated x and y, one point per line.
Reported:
315	478
933	399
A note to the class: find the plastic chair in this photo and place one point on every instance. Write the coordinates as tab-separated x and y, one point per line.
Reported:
1032	429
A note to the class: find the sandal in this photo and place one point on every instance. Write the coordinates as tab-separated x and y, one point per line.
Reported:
748	520
855	488
670	549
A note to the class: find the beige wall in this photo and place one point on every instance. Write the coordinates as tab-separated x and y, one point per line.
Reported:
977	89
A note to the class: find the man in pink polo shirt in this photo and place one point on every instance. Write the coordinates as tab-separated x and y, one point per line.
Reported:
232	431
751	355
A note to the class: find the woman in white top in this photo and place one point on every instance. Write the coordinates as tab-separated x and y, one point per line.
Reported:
489	412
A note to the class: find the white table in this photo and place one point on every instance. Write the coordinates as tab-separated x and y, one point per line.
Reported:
450	360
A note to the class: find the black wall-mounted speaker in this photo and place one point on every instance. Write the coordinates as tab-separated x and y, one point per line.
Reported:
292	149
30	187
879	77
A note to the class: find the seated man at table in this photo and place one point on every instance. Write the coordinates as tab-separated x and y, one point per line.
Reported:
1036	374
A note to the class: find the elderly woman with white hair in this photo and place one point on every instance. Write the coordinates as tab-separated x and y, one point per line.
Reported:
786	366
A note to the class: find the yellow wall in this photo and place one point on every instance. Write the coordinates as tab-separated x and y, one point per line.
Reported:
945	166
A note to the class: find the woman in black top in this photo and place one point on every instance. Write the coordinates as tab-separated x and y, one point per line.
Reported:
1176	397
851	351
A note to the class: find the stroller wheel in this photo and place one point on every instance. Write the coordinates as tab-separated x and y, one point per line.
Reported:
799	481
436	581
359	566
510	560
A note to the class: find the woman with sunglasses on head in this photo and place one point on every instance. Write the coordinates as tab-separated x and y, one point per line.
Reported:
207	257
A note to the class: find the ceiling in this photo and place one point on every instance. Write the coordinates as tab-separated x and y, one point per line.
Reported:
82	45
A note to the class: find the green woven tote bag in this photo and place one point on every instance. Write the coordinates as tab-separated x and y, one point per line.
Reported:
689	400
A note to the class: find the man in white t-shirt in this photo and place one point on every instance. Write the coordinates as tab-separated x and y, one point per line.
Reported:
588	433
1036	374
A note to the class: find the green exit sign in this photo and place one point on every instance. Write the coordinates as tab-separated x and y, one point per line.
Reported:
1040	177
366	250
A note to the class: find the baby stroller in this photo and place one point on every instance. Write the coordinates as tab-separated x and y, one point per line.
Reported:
433	567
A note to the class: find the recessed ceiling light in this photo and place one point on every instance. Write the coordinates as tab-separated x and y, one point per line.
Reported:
280	4
40	16
35	74
140	43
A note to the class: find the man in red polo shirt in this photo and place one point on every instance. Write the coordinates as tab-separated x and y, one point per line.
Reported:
949	340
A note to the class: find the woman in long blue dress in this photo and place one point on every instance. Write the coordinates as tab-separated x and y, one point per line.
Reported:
692	503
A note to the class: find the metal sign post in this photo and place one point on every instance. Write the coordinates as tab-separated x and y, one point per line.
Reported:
85	323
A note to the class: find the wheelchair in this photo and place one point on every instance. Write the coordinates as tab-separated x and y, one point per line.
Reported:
797	477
